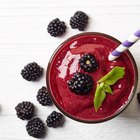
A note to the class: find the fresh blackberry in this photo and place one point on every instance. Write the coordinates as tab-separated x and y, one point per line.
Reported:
88	63
81	83
55	119
138	97
56	27
79	20
32	72
43	97
36	128
25	110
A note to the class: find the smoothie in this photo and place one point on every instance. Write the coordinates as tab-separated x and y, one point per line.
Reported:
65	62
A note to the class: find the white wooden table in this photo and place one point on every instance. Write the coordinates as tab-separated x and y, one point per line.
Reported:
23	39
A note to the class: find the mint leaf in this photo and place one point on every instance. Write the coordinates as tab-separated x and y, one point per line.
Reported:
103	85
99	97
107	89
113	76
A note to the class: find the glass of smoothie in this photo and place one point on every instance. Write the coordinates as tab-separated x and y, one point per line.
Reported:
65	62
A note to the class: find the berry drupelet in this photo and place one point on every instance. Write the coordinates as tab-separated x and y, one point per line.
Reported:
88	63
138	97
25	110
36	128
32	72
55	119
56	27
79	20
43	97
81	83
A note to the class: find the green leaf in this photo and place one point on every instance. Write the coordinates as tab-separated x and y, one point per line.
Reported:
113	76
103	85
99	97
107	89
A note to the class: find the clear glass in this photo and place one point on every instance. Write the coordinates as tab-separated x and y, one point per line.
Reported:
119	110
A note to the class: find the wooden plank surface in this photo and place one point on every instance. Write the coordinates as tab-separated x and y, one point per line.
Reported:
23	39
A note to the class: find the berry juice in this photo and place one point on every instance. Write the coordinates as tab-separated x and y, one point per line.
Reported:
65	62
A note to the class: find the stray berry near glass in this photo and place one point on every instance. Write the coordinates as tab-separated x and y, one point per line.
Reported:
81	83
55	119
138	97
79	20
56	28
43	97
32	72
36	128
88	63
25	110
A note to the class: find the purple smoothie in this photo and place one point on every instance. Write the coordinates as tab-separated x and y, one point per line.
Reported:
65	63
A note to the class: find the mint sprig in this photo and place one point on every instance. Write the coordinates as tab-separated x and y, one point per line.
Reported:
103	85
99	97
107	89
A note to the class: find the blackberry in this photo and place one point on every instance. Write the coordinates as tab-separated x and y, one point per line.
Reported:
56	27
43	97
25	110
88	63
32	72
81	83
36	128
138	97
55	119
79	20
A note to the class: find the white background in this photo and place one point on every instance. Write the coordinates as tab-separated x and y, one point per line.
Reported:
23	39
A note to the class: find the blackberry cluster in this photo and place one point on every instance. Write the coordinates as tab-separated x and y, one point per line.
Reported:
88	63
55	119
43	97
36	128
138	97
56	27
25	110
32	72
79	20
81	83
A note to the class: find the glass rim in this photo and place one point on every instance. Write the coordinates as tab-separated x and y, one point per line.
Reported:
120	109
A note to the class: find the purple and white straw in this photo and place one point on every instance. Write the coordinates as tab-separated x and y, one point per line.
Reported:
124	46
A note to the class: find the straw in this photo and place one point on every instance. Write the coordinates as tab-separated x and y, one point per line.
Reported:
124	46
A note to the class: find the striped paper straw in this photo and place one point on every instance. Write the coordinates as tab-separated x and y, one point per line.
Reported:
124	46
